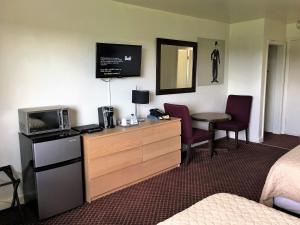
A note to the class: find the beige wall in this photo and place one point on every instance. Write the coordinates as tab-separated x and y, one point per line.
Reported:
292	94
292	84
246	51
292	32
275	30
47	57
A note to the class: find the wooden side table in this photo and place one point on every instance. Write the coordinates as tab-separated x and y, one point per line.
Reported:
211	118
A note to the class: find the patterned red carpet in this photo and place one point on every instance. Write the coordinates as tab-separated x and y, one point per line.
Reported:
242	172
281	140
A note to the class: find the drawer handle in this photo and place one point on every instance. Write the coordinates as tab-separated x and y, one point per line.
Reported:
72	140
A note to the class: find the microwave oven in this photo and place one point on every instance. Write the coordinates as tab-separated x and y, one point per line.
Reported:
39	120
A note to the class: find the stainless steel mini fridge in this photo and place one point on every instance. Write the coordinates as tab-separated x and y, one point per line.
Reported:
52	171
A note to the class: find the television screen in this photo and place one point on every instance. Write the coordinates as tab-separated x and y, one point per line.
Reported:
117	60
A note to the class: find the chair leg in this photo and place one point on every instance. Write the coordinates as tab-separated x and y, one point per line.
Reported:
188	155
16	200
15	195
236	139
247	136
227	134
211	148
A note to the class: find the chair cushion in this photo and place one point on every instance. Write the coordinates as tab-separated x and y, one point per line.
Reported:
199	135
231	125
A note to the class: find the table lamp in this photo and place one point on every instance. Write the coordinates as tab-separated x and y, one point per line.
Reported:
140	97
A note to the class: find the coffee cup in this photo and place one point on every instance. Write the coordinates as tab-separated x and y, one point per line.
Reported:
123	122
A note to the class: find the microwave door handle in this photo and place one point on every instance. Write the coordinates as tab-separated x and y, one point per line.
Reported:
60	119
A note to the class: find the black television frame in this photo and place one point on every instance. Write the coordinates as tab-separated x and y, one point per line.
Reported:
98	66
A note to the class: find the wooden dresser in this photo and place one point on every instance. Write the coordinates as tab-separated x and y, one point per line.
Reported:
117	158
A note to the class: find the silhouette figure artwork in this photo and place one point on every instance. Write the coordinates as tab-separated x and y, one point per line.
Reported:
215	58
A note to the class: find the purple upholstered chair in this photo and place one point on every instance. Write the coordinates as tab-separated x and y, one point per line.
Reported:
189	135
239	107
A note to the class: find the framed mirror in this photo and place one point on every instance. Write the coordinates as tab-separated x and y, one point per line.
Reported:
176	64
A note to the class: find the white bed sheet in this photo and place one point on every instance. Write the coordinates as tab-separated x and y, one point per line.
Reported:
283	178
228	209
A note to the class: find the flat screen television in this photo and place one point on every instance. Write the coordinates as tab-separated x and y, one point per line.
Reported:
118	60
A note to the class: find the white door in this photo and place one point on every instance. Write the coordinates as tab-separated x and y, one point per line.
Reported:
292	99
274	88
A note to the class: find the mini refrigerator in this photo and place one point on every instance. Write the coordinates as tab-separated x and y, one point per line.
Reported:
52	172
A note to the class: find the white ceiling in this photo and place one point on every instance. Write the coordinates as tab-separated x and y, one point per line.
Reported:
229	11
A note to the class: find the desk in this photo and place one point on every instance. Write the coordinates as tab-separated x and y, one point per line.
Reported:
211	118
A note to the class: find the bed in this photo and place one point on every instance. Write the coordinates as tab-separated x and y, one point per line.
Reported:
282	186
229	209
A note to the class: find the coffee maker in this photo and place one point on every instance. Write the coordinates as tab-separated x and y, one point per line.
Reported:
106	116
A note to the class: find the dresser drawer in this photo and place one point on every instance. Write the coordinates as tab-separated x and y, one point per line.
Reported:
117	161
132	174
161	132
115	180
161	163
159	148
106	145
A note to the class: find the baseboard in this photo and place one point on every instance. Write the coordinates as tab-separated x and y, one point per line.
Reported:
242	137
261	140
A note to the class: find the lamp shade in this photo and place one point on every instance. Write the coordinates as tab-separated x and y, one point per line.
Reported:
140	97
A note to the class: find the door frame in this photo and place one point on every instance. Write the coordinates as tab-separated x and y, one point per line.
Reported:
283	86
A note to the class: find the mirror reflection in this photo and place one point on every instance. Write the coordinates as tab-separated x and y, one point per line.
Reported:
176	67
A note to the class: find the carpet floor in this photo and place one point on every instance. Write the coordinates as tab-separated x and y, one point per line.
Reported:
281	140
242	172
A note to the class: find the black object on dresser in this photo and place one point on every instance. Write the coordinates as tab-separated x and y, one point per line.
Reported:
91	128
52	171
106	116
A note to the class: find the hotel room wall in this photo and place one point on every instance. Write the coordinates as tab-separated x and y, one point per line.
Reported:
291	98
47	57
274	89
292	33
275	33
292	93
246	51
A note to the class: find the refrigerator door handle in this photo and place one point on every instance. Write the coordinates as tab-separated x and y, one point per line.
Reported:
57	165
